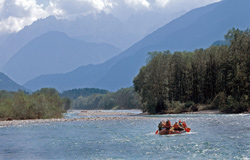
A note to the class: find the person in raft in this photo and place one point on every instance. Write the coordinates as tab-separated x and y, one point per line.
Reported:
177	127
168	125
165	125
180	123
184	125
160	126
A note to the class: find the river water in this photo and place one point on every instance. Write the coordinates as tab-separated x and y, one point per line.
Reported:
215	136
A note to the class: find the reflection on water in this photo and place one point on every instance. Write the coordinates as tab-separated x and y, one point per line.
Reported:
211	137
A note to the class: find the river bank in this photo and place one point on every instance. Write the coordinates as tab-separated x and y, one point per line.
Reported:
105	113
84	115
204	112
23	122
97	115
193	112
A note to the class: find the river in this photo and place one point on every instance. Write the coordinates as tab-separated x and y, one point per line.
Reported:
212	136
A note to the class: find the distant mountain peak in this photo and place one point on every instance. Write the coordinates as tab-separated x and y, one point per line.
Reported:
55	52
198	28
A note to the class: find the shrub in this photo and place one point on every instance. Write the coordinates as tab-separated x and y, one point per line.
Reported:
234	106
45	103
189	104
176	107
219	101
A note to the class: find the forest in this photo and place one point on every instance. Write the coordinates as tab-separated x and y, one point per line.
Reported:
84	92
216	78
49	103
125	98
42	104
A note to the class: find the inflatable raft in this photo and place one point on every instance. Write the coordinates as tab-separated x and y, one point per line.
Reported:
171	131
164	131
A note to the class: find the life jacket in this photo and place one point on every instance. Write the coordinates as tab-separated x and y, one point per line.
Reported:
184	124
168	124
175	126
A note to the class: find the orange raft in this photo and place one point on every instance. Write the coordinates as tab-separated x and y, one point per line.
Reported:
164	131
171	131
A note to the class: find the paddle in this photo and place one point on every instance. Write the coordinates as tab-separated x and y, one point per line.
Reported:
156	132
187	129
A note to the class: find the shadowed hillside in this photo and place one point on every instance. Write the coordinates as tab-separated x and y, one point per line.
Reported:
55	52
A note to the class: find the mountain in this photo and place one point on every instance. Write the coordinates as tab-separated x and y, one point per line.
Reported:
198	28
55	52
103	28
97	28
9	85
16	41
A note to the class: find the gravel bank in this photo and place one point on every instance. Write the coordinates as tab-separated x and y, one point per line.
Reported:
103	113
110	116
93	115
204	112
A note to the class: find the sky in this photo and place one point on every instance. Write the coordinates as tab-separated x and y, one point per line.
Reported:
16	14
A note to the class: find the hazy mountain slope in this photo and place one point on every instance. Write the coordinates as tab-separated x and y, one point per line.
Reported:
103	28
207	25
7	84
210	26
55	52
16	41
98	28
70	80
198	28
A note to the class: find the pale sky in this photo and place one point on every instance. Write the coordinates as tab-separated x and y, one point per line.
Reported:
16	14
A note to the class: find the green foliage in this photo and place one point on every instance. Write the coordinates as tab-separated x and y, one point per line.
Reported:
107	101
235	106
176	107
219	101
218	74
85	92
125	98
189	104
151	83
44	103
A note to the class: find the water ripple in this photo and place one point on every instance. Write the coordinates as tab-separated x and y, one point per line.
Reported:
211	137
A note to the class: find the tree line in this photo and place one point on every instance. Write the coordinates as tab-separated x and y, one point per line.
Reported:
42	104
125	98
84	92
49	103
218	76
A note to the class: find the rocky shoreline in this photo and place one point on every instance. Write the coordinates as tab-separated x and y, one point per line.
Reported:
95	115
103	113
91	115
204	112
23	122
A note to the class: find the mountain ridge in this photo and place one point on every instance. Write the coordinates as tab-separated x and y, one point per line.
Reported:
198	28
55	52
97	28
